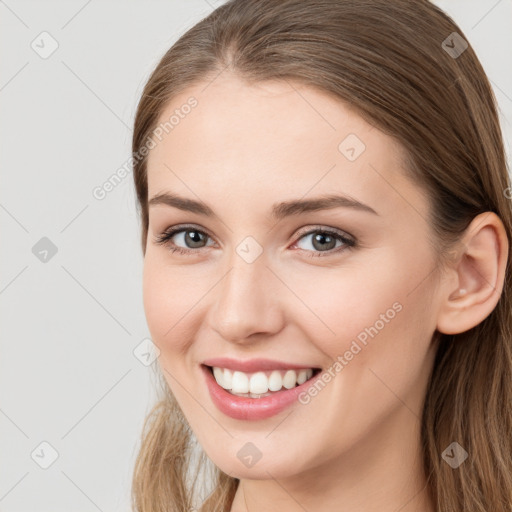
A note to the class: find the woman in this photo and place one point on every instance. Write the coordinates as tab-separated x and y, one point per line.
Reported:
325	225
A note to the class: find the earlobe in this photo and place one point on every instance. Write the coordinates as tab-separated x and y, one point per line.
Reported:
479	266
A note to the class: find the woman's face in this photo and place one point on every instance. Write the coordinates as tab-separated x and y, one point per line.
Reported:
263	277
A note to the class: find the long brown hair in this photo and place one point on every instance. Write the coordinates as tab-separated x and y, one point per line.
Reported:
398	64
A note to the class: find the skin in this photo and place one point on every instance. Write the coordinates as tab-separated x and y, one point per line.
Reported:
355	446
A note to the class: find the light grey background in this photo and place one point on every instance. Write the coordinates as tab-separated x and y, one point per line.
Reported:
68	374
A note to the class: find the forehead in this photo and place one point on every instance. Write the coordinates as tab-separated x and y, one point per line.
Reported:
272	141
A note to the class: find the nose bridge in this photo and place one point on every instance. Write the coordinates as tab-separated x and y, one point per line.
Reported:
246	299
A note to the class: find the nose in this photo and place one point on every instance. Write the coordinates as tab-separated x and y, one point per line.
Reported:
247	302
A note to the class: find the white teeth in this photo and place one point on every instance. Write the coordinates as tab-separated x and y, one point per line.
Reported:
240	383
228	379
218	373
302	377
290	378
259	383
275	381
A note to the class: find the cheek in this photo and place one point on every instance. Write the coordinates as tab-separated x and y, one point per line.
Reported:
168	299
382	324
355	307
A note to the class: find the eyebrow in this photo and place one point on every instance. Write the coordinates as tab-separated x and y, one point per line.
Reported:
279	210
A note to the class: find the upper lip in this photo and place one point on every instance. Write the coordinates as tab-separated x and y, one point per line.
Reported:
253	365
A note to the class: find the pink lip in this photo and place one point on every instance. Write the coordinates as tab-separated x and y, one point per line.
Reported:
253	365
242	408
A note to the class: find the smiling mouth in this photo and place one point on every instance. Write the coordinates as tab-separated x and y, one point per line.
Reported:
261	383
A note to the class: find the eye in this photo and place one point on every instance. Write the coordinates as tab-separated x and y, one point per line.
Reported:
189	236
324	241
321	240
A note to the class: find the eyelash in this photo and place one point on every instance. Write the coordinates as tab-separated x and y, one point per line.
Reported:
165	237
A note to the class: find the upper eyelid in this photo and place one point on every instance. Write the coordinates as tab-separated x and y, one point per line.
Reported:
307	231
179	228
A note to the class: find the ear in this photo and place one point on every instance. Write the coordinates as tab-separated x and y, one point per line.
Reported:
474	281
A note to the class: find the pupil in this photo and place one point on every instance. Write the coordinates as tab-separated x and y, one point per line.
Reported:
196	238
323	240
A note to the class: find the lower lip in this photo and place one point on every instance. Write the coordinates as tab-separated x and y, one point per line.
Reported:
242	408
